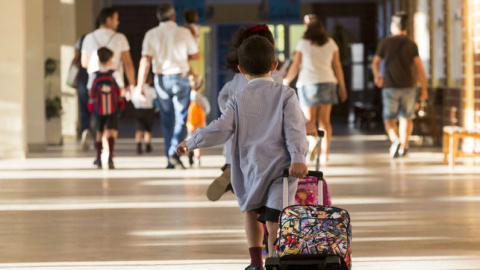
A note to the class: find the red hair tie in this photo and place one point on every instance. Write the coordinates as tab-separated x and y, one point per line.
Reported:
256	28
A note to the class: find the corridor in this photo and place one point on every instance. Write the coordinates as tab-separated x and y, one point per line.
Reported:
58	212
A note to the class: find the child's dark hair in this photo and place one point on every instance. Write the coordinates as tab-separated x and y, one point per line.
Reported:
241	35
256	55
104	54
190	16
400	19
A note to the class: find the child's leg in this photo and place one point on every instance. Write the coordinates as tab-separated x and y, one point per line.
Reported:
148	140
254	232
112	136
138	136
272	228
324	123
138	140
147	137
98	144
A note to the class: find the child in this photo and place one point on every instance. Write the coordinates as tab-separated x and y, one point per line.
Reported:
221	184
144	114
267	128
190	16
197	117
105	103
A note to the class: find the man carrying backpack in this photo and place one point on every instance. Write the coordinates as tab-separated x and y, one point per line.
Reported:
399	94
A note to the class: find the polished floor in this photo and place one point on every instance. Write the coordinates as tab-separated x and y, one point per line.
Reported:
58	212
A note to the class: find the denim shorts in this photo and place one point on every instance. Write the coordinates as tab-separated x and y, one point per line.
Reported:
399	102
318	94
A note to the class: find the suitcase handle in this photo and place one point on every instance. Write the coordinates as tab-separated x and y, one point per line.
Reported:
317	174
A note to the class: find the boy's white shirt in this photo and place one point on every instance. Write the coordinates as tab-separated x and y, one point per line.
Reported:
140	101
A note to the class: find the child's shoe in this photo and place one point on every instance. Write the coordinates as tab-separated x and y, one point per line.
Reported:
190	158
196	162
149	148
219	186
110	164
98	163
139	148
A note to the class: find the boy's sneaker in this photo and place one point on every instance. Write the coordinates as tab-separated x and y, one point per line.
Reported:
196	162
149	148
403	152
394	148
176	163
85	141
110	164
98	163
255	268
139	148
219	186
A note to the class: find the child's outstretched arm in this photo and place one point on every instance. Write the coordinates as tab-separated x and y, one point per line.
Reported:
218	132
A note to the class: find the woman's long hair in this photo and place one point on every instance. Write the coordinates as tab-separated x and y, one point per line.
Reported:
315	32
242	34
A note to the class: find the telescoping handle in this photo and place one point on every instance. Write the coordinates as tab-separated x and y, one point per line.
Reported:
317	174
321	134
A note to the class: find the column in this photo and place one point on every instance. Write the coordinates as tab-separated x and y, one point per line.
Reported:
22	106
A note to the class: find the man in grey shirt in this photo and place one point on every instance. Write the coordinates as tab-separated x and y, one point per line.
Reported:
399	93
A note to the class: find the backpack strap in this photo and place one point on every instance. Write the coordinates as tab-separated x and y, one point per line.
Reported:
108	42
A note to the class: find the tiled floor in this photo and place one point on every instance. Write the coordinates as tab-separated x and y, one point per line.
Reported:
58	212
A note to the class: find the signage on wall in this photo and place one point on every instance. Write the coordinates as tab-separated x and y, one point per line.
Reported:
284	10
182	5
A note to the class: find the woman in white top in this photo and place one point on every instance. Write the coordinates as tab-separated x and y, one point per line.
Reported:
318	60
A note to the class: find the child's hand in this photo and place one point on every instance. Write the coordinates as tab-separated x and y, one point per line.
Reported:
311	129
182	148
298	170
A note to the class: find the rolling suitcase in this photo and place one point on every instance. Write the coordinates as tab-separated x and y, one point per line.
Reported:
307	190
311	236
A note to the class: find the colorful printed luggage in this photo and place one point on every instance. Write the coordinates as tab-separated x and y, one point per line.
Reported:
307	190
312	236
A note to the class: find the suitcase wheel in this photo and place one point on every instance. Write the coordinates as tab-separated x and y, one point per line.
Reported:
333	263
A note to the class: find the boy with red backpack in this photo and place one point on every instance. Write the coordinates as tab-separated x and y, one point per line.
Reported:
106	104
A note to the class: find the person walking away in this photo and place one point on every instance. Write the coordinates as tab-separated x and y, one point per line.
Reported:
82	80
402	61
320	79
190	17
168	48
268	129
144	114
106	103
106	36
197	117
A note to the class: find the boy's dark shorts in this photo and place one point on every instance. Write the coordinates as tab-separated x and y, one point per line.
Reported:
145	119
268	214
109	121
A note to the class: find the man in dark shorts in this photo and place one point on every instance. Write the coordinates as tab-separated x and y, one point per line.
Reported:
403	68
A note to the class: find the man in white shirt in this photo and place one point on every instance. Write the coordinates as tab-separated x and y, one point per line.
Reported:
168	48
106	36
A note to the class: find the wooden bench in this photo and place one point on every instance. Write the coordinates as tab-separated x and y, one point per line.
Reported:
451	138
